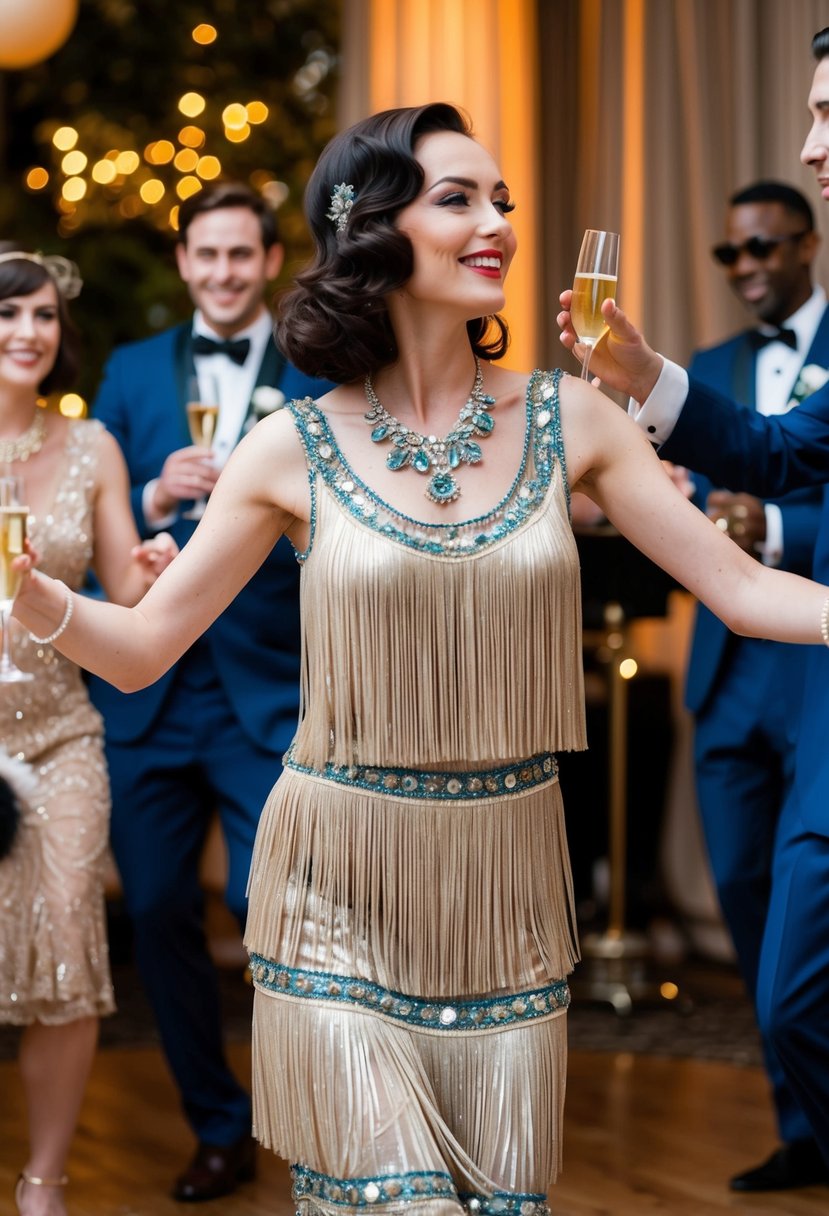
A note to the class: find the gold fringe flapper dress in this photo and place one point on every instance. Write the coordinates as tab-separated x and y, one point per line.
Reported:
411	924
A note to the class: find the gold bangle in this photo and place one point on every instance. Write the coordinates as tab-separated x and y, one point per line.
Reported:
824	622
67	617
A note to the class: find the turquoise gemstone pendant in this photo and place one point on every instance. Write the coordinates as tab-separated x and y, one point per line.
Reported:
442	488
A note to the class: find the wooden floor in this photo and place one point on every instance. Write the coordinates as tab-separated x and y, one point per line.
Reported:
643	1135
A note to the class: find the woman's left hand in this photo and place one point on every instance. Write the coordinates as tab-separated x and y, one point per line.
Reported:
155	554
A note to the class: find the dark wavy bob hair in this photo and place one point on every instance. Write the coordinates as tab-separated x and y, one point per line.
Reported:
335	323
21	278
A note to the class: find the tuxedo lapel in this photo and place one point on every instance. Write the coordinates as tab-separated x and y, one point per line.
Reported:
270	372
744	374
818	352
184	366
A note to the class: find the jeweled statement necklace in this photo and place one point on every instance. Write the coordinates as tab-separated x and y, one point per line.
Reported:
427	453
25	445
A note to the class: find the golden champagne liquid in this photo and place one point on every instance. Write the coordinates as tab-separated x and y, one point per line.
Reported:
12	544
589	293
202	420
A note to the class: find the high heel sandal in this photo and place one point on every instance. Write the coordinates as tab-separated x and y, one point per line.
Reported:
25	1177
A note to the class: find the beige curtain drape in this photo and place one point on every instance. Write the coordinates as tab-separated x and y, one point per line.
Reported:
652	113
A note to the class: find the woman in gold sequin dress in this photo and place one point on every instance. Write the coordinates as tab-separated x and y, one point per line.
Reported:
410	921
54	969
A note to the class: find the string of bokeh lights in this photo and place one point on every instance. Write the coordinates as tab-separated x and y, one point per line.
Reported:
135	181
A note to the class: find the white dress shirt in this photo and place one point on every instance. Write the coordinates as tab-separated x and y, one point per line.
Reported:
777	367
235	383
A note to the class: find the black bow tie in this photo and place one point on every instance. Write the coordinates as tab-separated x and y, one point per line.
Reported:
759	339
235	348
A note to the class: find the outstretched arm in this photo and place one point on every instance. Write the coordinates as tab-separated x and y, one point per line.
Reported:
262	493
610	460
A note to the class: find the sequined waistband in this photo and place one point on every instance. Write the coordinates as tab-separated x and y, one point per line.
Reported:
417	1185
475	1014
419	783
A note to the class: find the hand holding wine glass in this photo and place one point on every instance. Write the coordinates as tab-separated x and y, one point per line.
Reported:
13	519
597	273
202	419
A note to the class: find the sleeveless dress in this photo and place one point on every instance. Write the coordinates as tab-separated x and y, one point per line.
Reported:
54	962
411	921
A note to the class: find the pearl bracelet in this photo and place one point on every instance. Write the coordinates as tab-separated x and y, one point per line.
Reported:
67	617
824	622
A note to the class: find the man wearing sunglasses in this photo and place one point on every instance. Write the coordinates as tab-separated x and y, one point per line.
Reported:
703	429
744	692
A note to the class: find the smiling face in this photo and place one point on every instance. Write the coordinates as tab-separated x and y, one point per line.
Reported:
462	240
226	267
774	286
30	334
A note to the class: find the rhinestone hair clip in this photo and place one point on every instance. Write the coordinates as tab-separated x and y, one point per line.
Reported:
65	274
342	200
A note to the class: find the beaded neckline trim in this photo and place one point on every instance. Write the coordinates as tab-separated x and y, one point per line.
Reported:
542	436
476	1014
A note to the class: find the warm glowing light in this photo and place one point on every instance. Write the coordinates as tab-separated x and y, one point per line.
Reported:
152	191
209	167
37	178
274	193
65	138
192	104
104	172
669	991
74	188
72	405
186	160
257	111
237	135
127	162
74	163
205	34
188	186
628	668
65	207
191	137
235	116
131	206
161	152
172	219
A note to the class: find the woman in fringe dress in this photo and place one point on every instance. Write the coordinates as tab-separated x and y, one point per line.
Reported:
411	924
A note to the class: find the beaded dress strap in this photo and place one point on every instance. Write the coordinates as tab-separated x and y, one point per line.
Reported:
543	451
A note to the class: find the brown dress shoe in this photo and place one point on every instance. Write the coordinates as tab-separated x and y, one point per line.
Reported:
216	1170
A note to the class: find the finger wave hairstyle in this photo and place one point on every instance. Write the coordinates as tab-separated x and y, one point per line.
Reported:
334	323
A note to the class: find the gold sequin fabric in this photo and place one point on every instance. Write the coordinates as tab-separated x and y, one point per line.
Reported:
54	962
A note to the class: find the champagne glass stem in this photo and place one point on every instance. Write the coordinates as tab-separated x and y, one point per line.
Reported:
6	664
585	366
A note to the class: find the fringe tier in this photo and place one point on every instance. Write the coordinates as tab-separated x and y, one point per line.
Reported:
357	1097
425	897
420	659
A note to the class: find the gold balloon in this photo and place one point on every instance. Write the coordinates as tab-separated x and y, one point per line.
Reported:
32	30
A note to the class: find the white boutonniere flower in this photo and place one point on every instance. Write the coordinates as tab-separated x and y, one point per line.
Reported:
811	378
265	400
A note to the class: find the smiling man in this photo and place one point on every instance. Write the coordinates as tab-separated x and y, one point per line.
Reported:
209	736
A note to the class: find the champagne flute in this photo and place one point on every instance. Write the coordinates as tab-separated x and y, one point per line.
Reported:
202	419
13	517
597	273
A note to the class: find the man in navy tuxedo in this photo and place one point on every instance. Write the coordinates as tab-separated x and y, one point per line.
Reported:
745	692
766	455
209	735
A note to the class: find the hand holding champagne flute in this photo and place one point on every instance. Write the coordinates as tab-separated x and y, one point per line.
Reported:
202	419
13	516
597	273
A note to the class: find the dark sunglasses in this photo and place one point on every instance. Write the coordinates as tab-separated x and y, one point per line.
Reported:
757	247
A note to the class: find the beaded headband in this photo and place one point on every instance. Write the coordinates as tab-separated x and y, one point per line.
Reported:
65	274
342	200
